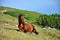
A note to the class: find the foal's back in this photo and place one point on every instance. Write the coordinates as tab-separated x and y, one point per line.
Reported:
28	27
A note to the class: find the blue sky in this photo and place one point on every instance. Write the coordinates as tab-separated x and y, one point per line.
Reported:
41	6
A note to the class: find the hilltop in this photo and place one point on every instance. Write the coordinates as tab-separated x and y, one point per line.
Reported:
29	15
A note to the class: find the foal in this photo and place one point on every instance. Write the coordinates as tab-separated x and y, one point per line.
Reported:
25	27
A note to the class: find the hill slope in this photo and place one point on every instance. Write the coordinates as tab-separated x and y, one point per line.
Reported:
8	31
29	15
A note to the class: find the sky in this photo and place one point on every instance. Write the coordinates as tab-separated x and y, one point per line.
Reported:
41	6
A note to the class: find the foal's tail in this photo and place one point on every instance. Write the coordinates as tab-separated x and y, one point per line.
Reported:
34	29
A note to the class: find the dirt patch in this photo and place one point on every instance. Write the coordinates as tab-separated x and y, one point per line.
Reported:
57	38
2	37
8	23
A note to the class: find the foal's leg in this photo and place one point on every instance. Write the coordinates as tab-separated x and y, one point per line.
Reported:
34	30
21	28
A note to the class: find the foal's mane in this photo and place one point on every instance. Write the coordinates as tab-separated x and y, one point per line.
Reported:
19	18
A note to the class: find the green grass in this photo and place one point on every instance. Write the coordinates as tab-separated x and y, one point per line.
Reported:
8	30
29	15
7	18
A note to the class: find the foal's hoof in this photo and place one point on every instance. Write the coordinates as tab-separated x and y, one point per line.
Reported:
36	33
17	30
25	32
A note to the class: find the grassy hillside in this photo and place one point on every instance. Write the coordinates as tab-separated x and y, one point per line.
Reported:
29	15
8	30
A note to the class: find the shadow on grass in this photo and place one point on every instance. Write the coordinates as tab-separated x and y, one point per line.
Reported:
11	29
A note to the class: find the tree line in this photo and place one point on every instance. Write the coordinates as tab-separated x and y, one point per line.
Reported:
52	20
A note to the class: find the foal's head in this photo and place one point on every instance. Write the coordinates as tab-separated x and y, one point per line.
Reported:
21	19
